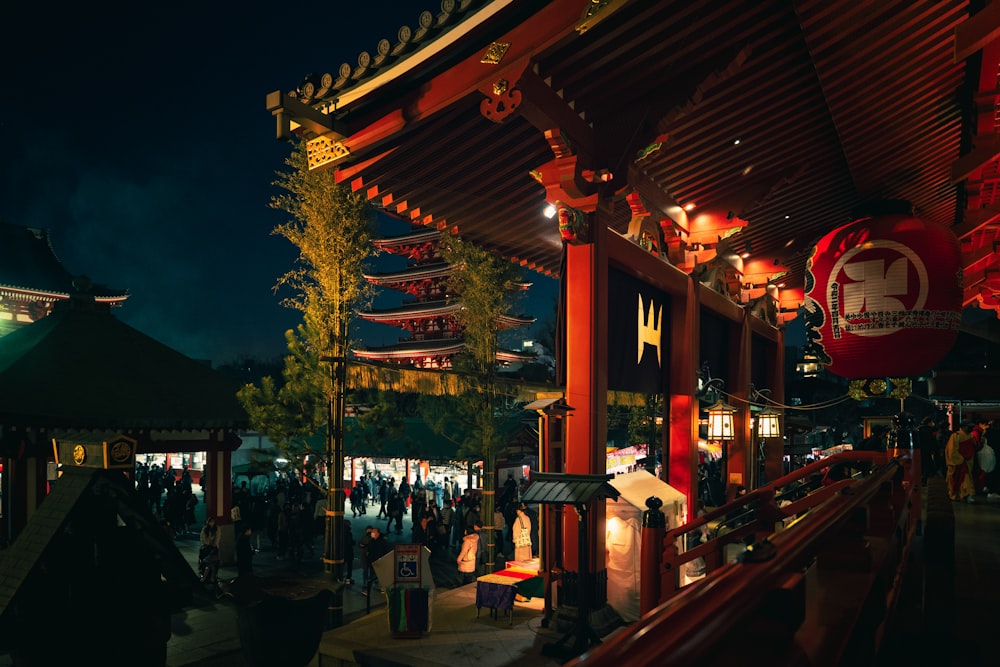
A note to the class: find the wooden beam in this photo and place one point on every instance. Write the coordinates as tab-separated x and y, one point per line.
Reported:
287	109
977	31
975	220
657	198
979	255
546	110
987	149
551	24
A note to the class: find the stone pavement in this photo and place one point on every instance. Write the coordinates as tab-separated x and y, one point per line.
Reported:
207	635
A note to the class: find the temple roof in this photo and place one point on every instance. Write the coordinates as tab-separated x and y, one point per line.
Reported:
81	493
29	264
82	368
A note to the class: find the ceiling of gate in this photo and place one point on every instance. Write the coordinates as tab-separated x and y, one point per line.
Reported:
755	127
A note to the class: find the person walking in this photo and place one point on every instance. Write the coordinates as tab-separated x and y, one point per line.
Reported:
383	499
363	552
395	510
377	547
447	514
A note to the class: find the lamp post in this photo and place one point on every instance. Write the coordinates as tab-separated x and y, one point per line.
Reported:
333	542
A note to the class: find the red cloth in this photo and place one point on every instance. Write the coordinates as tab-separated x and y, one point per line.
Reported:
967	448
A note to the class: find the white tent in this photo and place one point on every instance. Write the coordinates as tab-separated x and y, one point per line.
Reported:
624	530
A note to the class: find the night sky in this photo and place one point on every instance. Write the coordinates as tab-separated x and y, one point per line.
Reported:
137	134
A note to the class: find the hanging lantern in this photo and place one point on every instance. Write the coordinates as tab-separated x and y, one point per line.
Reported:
768	424
720	421
883	297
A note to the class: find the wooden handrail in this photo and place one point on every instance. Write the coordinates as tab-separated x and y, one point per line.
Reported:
760	514
690	626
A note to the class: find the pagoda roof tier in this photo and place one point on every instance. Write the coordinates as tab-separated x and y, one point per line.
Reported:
30	268
431	348
408	275
399	242
420	310
427	309
413	348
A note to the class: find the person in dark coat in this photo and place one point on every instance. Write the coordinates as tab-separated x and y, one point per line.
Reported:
348	553
244	553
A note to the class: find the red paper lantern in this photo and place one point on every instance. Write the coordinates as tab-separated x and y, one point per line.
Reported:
884	297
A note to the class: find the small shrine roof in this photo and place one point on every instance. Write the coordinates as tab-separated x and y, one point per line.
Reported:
82	368
552	488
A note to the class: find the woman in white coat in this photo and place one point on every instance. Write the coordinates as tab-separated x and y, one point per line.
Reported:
468	555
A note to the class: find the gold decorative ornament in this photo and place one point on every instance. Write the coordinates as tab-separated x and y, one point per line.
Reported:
500	86
79	454
495	53
120	452
323	151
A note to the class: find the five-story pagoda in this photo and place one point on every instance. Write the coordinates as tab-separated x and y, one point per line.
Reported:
428	313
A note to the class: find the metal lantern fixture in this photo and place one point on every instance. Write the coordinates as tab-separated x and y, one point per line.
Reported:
769	424
720	421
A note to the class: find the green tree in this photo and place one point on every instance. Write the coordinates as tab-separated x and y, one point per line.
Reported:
332	229
485	284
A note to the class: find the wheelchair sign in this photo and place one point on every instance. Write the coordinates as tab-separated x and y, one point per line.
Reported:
407	563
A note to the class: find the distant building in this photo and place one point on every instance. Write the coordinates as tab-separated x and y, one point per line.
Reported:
32	279
428	313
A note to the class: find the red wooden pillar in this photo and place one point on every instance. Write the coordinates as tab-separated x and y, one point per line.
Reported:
682	467
586	380
739	454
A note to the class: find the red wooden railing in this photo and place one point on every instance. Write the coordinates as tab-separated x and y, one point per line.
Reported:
820	591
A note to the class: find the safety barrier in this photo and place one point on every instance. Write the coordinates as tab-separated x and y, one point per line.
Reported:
820	591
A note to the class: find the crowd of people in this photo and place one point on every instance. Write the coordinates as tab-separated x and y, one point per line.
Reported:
290	515
171	499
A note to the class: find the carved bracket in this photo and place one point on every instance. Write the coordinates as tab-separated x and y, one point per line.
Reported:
642	229
324	151
499	107
574	224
